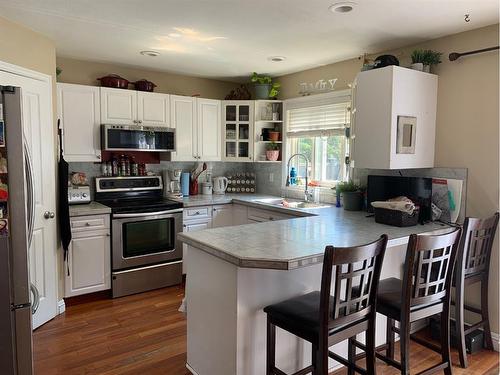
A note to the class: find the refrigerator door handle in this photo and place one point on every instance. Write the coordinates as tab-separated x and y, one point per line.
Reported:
30	191
36	298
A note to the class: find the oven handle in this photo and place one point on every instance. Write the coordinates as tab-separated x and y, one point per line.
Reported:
123	216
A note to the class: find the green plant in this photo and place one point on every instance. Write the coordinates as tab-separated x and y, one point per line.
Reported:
272	146
58	71
348	187
431	57
417	56
266	80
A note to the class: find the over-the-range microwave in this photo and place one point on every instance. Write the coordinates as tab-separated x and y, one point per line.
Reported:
137	138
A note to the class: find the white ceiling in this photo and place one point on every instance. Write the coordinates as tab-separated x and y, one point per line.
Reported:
231	38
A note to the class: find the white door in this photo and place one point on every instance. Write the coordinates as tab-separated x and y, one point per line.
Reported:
118	106
39	130
153	109
183	115
79	109
192	227
209	129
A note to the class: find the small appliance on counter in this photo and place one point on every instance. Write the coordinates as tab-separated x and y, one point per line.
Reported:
206	188
220	185
78	194
172	178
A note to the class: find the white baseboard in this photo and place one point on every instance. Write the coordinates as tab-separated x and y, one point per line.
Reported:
191	370
496	341
61	306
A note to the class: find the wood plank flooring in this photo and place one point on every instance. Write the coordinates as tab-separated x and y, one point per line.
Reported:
144	334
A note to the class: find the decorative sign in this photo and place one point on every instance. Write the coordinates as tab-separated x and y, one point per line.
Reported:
320	86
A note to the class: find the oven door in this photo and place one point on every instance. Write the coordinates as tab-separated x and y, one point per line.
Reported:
145	238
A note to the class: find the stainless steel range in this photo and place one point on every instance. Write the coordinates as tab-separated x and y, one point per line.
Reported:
145	252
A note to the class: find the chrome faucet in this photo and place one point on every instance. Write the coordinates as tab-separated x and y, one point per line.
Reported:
307	195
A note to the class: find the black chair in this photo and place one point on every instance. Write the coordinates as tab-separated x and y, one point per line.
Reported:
424	291
326	320
473	266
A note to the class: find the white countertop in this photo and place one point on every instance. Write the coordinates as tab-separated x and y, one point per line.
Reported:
92	208
294	243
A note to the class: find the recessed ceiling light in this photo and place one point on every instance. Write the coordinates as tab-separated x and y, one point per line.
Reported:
150	53
276	58
342	7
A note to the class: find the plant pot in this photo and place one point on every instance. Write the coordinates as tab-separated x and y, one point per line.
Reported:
418	66
353	200
262	91
272	155
274	136
427	68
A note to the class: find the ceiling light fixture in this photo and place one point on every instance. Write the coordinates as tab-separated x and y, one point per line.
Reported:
150	53
342	7
276	58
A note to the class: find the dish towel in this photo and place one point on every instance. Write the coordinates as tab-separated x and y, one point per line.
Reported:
402	204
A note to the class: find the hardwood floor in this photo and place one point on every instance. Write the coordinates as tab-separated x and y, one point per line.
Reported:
144	334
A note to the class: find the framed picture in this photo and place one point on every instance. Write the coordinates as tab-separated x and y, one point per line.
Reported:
406	135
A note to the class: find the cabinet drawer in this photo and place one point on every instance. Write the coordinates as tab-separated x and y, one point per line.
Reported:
89	223
258	215
197	212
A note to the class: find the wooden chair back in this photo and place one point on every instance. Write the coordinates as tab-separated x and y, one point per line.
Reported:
357	273
476	244
429	268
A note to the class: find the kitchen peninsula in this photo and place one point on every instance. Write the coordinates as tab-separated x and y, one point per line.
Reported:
234	272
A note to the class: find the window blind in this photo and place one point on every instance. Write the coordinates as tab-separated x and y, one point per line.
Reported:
324	120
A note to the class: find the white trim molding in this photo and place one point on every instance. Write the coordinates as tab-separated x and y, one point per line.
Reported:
496	341
61	307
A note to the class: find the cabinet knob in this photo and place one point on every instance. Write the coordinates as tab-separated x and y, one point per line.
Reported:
271	218
140	121
108	235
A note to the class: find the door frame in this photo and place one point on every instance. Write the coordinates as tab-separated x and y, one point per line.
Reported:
42	77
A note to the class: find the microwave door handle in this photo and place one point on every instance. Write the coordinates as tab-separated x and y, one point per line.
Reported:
145	214
30	191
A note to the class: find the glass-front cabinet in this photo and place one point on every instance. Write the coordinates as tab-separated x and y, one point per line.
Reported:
237	130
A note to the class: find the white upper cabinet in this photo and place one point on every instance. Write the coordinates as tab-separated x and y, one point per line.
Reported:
183	119
197	128
394	119
209	129
118	106
78	108
153	109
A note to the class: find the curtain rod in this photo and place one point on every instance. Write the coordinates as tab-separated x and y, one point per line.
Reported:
455	55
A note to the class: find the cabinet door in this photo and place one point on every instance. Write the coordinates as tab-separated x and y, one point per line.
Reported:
183	119
222	216
153	109
78	108
89	264
118	106
209	126
237	130
193	227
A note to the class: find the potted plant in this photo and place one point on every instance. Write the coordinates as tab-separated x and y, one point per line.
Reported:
264	86
417	60
352	195
272	151
274	134
431	58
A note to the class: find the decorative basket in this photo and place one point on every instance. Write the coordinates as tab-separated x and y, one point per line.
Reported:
396	218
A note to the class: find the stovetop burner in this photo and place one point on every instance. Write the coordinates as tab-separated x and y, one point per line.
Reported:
141	205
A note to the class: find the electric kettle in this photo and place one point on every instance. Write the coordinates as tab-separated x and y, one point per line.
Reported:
220	185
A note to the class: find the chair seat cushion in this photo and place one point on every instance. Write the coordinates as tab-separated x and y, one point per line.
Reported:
389	297
298	314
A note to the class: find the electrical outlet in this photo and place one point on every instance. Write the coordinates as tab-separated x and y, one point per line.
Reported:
271	177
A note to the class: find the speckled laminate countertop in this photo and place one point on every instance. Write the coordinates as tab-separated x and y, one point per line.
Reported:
93	208
297	242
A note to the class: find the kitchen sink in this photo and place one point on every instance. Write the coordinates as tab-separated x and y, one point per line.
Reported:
291	203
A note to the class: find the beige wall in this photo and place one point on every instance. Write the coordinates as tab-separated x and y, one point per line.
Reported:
87	72
467	133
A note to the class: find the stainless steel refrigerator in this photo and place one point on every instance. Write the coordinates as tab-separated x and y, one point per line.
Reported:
16	223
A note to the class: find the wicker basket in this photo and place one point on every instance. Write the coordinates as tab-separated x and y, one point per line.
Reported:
396	218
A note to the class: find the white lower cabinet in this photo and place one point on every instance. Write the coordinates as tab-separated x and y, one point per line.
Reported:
194	220
257	215
222	216
89	256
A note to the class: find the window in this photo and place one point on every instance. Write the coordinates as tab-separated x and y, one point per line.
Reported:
317	130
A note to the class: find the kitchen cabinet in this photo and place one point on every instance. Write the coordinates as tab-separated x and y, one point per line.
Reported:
129	107
89	256
197	126
222	216
78	108
195	219
393	119
237	130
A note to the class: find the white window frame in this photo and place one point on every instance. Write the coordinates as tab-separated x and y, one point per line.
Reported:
304	102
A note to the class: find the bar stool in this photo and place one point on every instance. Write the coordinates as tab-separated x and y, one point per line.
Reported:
473	266
326	320
424	291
